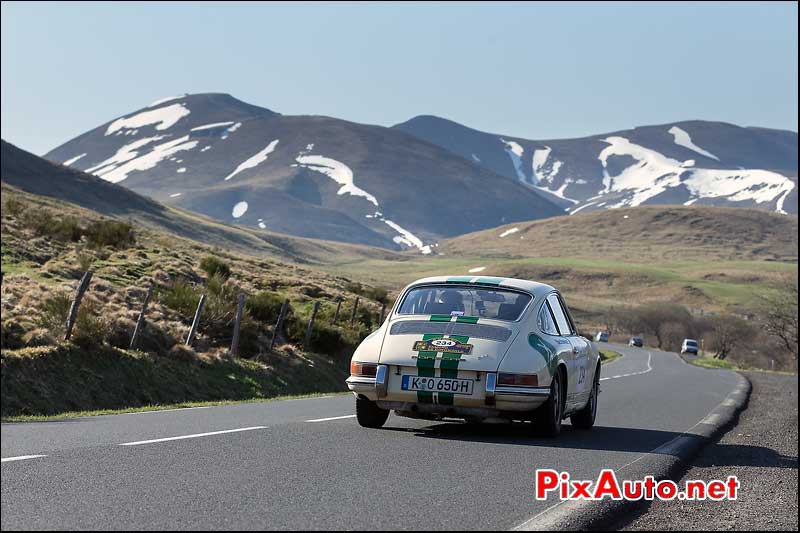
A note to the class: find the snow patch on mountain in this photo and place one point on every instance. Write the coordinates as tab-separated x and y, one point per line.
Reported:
123	154
212	126
68	162
405	237
515	151
682	138
115	174
338	172
653	173
508	232
239	209
255	160
163	117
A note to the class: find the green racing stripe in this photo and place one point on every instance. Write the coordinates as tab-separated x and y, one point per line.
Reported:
426	360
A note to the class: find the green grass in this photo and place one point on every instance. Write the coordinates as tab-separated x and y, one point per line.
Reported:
607	355
710	362
737	291
65	378
149	408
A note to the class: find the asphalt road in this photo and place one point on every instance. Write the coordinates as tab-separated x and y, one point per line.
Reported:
306	464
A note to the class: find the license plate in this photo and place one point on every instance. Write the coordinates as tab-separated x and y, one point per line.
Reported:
452	385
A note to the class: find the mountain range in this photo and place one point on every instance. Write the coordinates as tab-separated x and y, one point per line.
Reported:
692	162
427	179
307	176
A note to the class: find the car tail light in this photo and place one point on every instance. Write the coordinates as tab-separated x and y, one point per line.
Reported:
363	369
518	380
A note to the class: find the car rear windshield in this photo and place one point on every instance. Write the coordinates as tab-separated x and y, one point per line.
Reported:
499	304
691	343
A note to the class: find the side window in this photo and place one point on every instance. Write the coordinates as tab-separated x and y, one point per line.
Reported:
545	320
561	320
568	314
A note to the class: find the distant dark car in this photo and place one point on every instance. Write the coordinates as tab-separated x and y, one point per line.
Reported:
636	341
601	336
689	346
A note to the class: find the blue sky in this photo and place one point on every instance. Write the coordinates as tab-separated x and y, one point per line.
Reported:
533	70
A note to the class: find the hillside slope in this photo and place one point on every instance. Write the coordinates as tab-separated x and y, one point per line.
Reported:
691	163
307	176
30	173
646	232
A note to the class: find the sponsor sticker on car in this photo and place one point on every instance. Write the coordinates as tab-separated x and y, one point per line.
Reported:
443	345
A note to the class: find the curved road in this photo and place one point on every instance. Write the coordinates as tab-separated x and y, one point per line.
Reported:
306	464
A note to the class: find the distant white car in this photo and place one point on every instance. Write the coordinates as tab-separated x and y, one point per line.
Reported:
689	346
477	348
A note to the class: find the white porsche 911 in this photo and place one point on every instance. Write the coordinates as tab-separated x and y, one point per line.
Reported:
479	349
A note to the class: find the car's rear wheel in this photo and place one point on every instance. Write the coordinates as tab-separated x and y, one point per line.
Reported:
584	419
369	415
547	418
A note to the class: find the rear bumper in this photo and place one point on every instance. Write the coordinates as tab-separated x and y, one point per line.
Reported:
373	388
489	402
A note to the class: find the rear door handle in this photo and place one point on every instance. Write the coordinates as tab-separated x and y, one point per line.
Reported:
575	350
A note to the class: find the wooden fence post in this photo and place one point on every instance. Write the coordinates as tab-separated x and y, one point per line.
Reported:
237	325
76	303
310	327
355	308
383	313
196	321
140	320
278	324
336	314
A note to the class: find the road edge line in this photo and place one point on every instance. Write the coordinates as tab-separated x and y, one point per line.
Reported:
663	462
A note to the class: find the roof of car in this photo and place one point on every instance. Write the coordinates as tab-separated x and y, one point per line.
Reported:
538	290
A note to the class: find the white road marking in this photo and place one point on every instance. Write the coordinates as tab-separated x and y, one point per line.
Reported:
169	410
20	458
182	437
712	419
331	418
649	368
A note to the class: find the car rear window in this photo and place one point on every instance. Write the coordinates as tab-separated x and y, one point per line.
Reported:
454	300
691	343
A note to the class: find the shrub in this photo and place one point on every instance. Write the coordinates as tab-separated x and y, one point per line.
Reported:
213	266
114	233
53	313
85	261
92	327
44	224
377	294
264	306
13	207
180	296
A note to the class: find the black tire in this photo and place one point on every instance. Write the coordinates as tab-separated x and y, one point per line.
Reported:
584	419
369	415
547	418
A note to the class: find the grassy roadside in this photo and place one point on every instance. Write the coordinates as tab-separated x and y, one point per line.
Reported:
606	355
66	380
705	361
154	408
